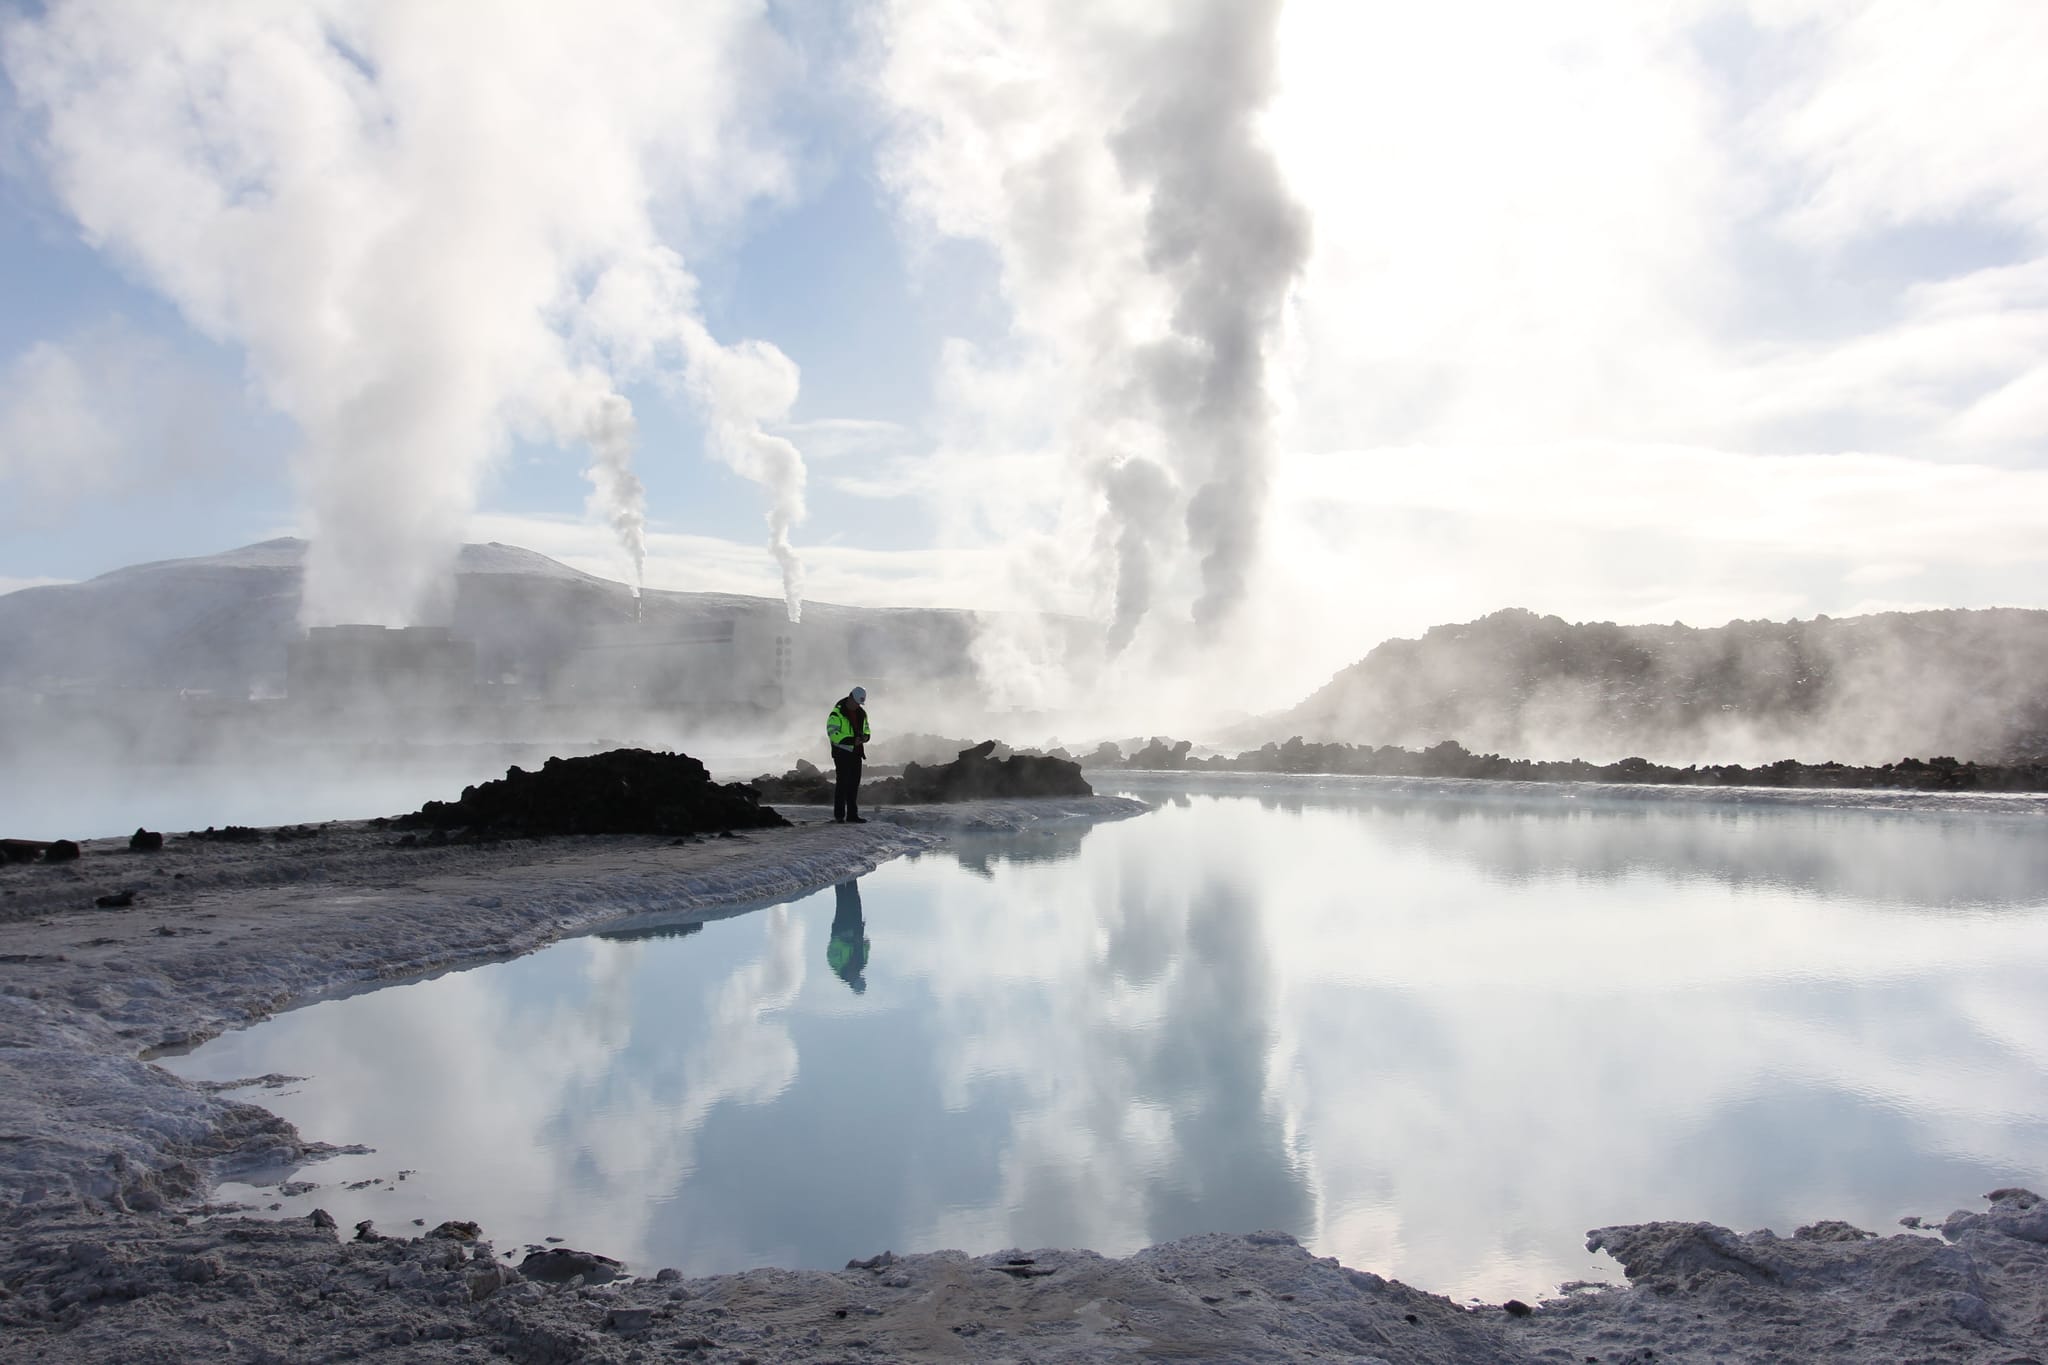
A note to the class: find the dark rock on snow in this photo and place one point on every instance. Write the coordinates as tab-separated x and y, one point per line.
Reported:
119	900
60	851
624	791
803	785
227	834
559	1265
145	841
21	850
976	775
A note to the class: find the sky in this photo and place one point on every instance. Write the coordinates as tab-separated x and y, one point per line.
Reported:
1258	331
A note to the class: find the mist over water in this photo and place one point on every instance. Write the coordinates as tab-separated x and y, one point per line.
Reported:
1434	1036
90	796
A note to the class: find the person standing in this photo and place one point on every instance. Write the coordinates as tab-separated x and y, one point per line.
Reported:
846	729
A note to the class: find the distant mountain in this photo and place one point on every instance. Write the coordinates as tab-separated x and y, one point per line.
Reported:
221	624
1866	689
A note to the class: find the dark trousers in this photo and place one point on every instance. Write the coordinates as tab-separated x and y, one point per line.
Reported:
846	791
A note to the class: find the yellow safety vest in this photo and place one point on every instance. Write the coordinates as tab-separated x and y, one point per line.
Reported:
839	727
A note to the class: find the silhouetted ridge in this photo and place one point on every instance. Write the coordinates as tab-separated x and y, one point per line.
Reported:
1448	758
1861	689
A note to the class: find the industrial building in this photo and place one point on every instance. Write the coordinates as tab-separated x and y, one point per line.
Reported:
718	662
355	666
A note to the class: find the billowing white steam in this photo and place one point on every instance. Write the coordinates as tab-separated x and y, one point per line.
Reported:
741	388
1222	229
645	309
603	420
1111	153
421	221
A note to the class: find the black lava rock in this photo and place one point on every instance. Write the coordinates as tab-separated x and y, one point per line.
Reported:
805	785
61	851
119	900
21	850
559	1265
145	841
624	791
227	834
974	776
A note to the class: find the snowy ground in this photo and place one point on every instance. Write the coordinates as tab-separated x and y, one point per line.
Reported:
107	1251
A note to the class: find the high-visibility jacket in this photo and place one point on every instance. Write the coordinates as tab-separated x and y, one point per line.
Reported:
839	727
846	955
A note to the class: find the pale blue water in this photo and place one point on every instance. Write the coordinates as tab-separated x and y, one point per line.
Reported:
1437	1037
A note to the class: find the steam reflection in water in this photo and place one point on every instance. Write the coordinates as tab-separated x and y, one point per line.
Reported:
1437	1039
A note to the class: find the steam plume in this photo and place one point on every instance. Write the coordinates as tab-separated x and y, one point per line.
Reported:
1140	498
645	310
741	388
1113	157
408	216
611	434
1224	231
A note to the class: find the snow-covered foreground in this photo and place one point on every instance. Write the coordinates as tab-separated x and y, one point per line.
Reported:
107	1251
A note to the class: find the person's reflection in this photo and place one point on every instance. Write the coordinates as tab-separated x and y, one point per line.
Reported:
847	952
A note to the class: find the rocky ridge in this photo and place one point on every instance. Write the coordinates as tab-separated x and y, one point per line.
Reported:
1448	758
1860	688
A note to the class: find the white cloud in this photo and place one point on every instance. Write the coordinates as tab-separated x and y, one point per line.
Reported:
1912	112
1519	211
109	411
1959	374
1570	221
831	438
1608	531
1786	504
961	578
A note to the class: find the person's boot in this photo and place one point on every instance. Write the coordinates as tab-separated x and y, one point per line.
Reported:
856	819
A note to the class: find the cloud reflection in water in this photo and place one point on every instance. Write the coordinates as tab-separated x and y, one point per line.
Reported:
1436	1039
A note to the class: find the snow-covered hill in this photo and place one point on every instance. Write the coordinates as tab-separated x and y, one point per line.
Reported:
220	623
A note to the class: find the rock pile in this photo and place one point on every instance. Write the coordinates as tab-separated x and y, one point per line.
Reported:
975	775
624	791
29	850
804	785
227	834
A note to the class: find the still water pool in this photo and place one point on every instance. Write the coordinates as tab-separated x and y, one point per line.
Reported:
1436	1035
